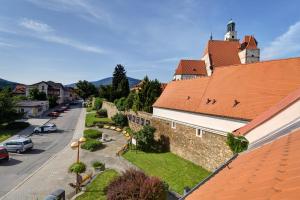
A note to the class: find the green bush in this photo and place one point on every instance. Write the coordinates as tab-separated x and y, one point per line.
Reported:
77	167
17	125
237	143
102	113
91	145
92	133
100	125
120	119
99	165
121	104
145	139
98	103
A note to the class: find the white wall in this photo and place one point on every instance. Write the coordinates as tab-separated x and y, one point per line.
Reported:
218	125
207	64
286	117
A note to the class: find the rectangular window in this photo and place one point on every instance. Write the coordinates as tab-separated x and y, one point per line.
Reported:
142	121
199	132
147	122
129	117
173	125
137	120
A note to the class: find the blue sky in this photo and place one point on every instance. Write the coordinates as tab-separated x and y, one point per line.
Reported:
71	40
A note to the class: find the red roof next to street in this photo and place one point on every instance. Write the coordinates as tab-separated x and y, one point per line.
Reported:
191	67
271	171
240	91
223	53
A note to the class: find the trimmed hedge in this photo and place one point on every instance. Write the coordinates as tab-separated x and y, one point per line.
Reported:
77	167
91	145
102	113
99	165
92	133
17	125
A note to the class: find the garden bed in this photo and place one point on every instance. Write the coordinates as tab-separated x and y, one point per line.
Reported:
91	119
177	172
96	189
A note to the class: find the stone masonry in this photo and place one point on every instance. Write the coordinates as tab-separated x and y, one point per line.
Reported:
208	151
110	107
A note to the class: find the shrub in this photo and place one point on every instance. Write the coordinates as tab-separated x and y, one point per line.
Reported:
120	119
92	133
145	139
135	185
77	167
98	103
100	125
102	113
91	145
99	165
237	143
120	104
17	125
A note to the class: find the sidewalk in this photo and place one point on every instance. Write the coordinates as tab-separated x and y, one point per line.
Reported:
51	175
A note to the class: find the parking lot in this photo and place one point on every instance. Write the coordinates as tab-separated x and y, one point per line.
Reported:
46	145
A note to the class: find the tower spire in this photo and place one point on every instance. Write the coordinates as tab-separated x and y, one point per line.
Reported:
211	36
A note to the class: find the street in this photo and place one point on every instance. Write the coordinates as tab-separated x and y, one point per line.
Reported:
46	145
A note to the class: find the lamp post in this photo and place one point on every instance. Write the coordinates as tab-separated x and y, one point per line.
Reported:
76	145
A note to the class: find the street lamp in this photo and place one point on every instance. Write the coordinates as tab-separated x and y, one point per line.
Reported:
76	145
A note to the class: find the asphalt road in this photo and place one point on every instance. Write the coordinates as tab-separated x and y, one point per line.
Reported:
22	165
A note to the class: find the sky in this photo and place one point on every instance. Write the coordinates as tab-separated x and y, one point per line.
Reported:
70	40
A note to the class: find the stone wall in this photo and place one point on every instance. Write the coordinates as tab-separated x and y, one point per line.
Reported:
110	107
208	151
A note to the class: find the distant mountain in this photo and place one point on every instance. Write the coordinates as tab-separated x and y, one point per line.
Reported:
5	83
108	81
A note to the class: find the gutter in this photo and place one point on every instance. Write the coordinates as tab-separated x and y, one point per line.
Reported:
211	176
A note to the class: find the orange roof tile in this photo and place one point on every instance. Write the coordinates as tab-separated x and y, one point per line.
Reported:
191	67
283	104
239	91
249	42
223	53
271	171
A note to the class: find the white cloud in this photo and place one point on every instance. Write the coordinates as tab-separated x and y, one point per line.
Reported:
45	32
81	8
35	25
5	44
286	44
72	43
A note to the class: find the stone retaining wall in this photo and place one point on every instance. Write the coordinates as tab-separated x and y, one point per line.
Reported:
110	107
208	151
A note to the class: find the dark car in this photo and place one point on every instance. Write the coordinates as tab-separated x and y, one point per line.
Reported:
4	154
53	114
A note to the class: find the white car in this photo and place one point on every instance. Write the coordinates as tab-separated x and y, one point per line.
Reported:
45	128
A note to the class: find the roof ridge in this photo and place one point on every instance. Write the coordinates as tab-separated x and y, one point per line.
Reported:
264	61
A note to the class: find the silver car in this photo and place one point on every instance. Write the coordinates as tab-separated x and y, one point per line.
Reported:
47	128
18	145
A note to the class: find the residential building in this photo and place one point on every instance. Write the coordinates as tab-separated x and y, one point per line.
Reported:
50	88
69	94
32	108
19	90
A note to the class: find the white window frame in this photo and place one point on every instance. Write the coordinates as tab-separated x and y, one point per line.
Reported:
197	132
173	125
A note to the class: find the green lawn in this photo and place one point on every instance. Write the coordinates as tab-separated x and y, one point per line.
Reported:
95	190
6	133
91	119
177	172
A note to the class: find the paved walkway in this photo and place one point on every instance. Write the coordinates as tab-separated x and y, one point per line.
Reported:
53	174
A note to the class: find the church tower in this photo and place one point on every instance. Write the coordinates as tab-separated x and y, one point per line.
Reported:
231	34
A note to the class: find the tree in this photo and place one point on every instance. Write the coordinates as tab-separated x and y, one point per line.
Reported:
85	89
105	92
120	85
8	113
52	101
145	139
35	94
135	185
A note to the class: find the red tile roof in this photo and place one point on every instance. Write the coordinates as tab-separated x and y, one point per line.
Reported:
191	67
20	89
271	171
239	91
223	53
249	42
283	104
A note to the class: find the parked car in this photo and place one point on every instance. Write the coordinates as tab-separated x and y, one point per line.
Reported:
53	114
4	153
18	145
47	128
